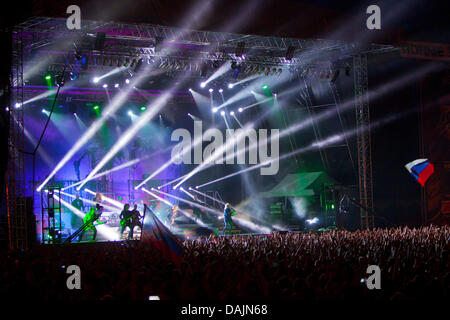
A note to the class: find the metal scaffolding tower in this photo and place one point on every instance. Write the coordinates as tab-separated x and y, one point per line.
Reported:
51	215
363	141
15	181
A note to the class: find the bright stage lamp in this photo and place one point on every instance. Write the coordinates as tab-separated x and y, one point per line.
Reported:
105	86
116	85
240	109
222	113
214	110
96	80
127	81
230	86
203	84
220	90
232	113
17	105
211	90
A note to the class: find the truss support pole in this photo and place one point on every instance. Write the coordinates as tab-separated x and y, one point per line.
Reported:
363	141
15	188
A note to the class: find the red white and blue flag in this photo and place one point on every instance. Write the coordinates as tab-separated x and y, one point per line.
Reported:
421	170
161	237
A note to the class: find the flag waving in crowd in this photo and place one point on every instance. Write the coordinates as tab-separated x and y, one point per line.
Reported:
421	169
163	239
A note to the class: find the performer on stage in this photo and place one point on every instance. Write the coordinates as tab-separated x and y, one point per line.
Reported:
98	197
89	219
174	213
135	221
125	220
227	213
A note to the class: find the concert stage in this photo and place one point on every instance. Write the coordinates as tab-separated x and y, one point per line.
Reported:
141	114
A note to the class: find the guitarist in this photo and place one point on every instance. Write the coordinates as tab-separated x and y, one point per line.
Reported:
89	220
227	213
125	219
135	220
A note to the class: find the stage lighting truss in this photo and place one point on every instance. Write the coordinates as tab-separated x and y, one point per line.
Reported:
129	45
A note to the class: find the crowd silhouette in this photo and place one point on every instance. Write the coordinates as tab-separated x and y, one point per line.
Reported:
331	265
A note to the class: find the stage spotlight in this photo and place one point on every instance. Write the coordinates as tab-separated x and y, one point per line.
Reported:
335	75
116	85
240	49
130	113
143	108
196	187
75	114
313	220
105	86
127	81
347	71
44	111
230	86
174	187
190	188
96	107
214	110
240	109
190	89
265	86
211	90
232	113
17	105
290	52
96	80
48	77
220	90
275	95
222	113
203	84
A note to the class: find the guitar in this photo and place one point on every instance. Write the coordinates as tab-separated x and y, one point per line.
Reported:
132	217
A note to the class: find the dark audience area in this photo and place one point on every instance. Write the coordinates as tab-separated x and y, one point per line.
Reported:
414	264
